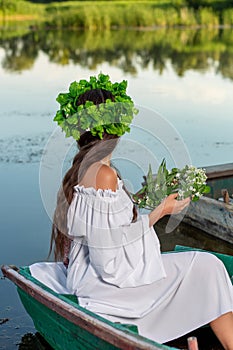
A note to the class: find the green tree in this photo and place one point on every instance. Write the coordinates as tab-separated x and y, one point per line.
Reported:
7	6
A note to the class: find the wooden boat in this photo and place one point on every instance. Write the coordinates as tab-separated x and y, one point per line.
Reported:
65	325
212	216
220	177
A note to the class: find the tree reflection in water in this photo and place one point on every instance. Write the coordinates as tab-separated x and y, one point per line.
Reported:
198	49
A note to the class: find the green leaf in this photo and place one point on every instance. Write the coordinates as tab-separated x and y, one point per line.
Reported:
74	88
75	134
161	174
63	98
59	117
207	189
73	120
150	180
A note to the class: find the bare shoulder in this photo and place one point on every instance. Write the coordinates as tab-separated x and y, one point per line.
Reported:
106	178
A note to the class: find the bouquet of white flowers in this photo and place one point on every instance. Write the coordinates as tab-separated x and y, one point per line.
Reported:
187	182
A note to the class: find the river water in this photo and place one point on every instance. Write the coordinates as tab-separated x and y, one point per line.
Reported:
182	83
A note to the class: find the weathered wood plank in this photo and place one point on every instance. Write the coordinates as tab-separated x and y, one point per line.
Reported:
211	216
219	171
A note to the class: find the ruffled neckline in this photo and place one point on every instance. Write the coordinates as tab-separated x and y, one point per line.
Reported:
100	192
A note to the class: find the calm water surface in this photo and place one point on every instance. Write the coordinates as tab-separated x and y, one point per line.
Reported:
185	95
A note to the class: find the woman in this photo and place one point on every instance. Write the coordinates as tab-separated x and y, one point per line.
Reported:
112	253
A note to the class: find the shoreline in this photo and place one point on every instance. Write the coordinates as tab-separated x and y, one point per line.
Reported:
142	15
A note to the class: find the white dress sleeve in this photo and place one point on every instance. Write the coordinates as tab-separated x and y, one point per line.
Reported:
122	253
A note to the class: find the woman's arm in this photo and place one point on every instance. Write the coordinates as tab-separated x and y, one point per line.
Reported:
107	179
170	205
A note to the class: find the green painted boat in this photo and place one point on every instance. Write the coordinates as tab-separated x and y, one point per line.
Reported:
219	178
67	326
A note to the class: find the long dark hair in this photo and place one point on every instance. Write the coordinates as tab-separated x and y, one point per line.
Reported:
91	149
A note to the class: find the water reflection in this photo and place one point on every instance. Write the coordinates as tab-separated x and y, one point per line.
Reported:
186	49
33	342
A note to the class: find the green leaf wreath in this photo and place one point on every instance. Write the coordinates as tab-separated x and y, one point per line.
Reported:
111	117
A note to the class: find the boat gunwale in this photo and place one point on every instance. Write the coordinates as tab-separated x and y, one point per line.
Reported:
219	171
112	334
211	201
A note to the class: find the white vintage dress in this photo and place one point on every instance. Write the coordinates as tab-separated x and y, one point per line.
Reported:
116	270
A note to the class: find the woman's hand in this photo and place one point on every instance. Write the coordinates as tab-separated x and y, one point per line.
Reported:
169	206
173	206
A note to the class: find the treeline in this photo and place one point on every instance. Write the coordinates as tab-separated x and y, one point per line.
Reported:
94	15
128	50
120	14
216	4
19	7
